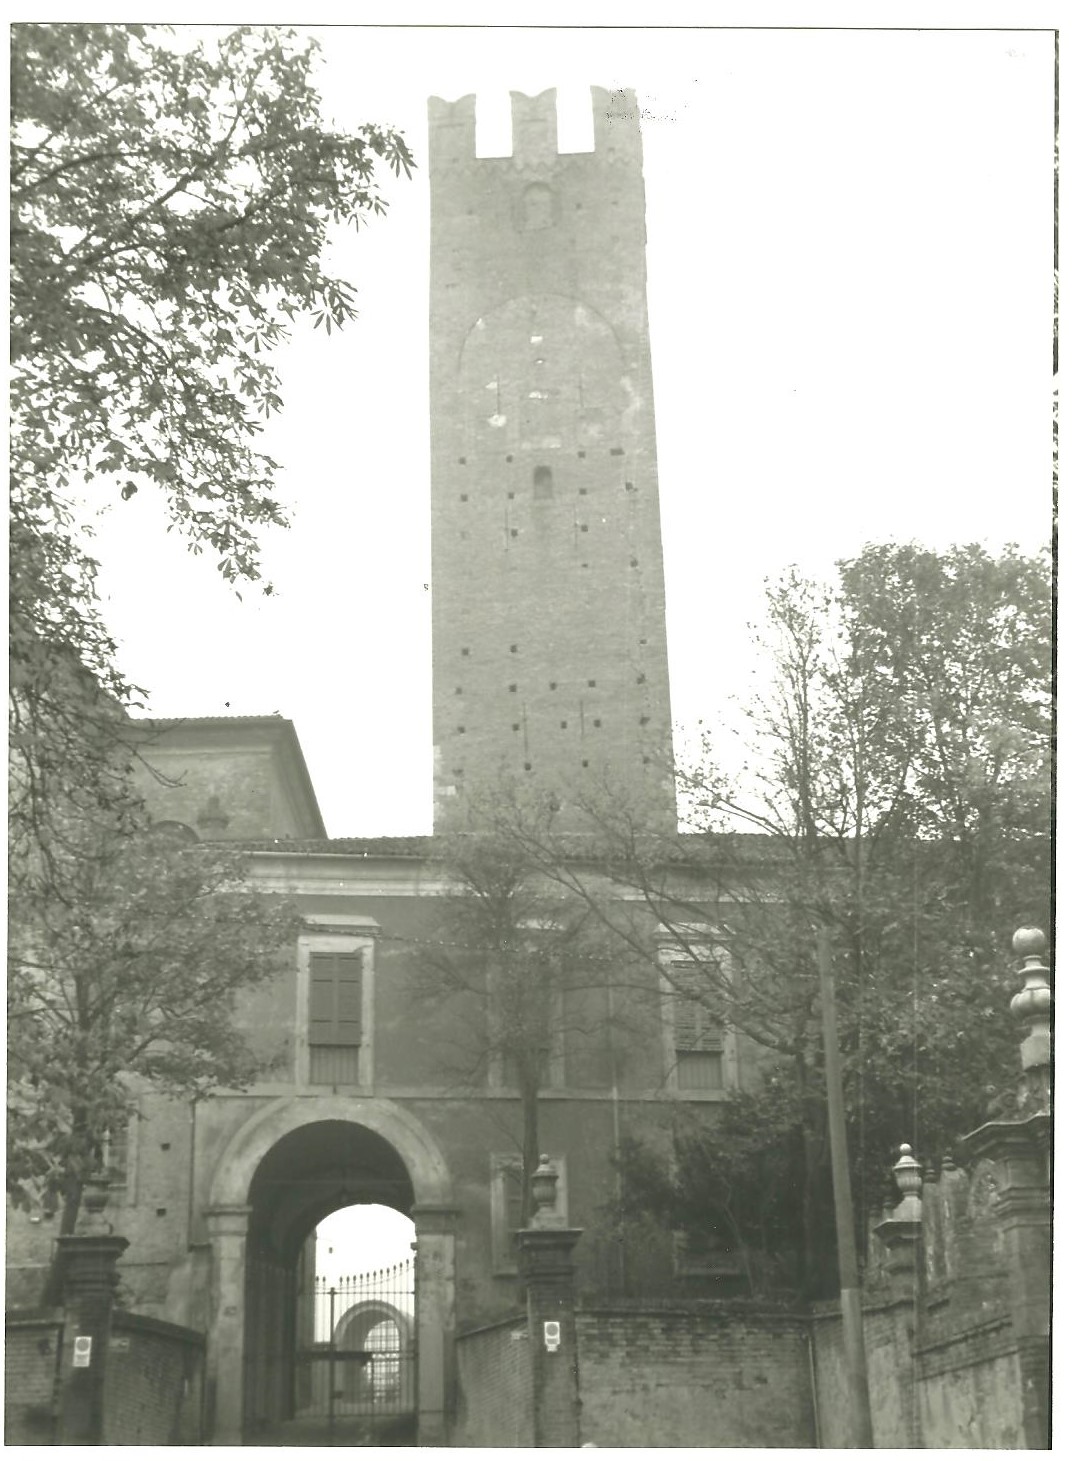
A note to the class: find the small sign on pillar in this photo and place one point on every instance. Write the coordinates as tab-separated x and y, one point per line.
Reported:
83	1351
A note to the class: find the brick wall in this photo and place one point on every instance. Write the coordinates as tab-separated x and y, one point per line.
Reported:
153	1390
494	1387
719	1376
549	650
32	1346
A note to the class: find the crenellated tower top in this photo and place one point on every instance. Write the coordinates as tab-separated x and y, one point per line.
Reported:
534	130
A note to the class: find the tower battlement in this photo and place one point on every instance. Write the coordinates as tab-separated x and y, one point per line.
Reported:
534	130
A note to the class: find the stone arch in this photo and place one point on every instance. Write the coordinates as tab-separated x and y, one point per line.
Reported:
257	1136
228	1215
357	1322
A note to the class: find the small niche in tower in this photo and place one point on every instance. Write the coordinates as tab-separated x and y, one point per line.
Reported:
582	492
616	451
512	689
592	683
597	725
564	725
629	486
462	461
513	649
463	496
552	684
515	532
640	679
515	725
543	482
526	765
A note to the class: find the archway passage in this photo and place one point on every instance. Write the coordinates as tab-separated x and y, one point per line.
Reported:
299	1386
357	1362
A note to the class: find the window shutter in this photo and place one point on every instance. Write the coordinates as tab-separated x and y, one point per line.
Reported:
335	999
686	1014
695	1026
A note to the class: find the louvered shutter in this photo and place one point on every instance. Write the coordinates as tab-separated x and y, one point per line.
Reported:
698	1039
335	999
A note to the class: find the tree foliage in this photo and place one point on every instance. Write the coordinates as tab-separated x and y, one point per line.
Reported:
518	970
126	979
172	197
171	201
901	798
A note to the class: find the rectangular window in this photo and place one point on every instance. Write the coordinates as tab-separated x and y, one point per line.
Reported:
118	1152
506	1176
697	1041
698	1044
115	1156
334	1027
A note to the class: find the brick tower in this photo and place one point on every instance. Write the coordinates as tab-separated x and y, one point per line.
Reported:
549	650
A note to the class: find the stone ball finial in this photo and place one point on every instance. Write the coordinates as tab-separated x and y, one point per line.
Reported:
95	1195
908	1173
1033	1003
1027	942
1032	1007
544	1184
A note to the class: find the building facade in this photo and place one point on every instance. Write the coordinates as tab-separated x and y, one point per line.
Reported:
549	662
364	1099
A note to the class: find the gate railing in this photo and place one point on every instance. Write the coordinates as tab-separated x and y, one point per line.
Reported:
359	1361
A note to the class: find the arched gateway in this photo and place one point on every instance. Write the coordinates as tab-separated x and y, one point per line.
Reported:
288	1166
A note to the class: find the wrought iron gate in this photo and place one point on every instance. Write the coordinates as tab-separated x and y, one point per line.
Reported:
356	1371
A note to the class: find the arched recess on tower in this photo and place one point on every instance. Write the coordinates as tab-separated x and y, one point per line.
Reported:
281	1173
543	372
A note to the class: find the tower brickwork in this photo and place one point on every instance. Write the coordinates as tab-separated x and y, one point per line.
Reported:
549	646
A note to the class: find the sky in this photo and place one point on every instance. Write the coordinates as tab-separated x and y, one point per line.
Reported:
850	254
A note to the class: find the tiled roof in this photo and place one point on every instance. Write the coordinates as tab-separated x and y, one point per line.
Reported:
688	847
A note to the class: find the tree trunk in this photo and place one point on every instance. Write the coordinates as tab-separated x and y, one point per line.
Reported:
52	1289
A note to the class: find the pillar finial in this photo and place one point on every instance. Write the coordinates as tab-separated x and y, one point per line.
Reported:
908	1175
544	1191
1032	1006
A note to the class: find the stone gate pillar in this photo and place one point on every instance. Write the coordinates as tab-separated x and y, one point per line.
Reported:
89	1286
545	1253
224	1375
435	1318
1019	1152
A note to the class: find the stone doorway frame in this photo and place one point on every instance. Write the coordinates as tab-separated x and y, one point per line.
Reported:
228	1215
